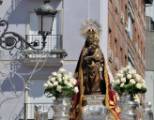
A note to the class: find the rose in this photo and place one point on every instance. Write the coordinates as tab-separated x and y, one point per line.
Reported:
62	70
122	85
49	84
66	77
55	83
59	75
53	79
132	81
137	77
76	90
129	76
59	79
139	86
45	85
59	88
54	74
73	81
123	80
132	71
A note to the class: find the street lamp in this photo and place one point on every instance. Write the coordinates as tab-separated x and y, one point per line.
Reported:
46	15
10	40
1	2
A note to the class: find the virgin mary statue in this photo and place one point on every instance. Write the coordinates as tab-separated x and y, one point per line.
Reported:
92	74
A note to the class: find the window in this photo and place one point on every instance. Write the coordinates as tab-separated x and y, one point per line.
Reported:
130	61
115	47
152	25
121	55
130	27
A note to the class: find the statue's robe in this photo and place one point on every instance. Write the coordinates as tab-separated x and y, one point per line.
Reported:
94	80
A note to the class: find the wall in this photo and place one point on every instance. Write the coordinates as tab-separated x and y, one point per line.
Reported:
149	73
120	44
149	77
75	13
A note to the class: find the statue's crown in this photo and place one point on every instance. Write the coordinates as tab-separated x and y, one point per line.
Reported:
90	26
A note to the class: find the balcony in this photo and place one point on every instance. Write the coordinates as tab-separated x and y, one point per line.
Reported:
52	53
148	1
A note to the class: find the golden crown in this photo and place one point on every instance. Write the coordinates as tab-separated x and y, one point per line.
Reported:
90	25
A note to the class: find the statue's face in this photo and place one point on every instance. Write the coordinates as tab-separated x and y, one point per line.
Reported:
90	36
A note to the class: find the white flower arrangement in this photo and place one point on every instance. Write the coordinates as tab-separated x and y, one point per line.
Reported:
128	81
61	84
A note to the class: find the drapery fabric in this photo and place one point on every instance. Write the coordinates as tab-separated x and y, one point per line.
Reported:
78	100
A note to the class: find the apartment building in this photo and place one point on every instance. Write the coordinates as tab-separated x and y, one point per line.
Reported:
126	43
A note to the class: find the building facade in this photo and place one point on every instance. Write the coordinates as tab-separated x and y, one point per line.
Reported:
149	68
126	33
26	71
22	77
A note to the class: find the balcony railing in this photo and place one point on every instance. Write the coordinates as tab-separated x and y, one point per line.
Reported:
53	48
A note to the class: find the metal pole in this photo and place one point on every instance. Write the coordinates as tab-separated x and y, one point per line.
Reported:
25	99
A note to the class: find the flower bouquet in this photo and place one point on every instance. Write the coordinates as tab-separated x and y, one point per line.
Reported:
129	82
61	84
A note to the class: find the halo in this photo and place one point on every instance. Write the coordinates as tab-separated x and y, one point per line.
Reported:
90	25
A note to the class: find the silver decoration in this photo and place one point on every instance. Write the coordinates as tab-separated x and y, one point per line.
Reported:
94	110
148	114
61	108
130	108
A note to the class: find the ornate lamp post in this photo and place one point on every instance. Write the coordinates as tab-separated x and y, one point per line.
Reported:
46	16
1	2
10	40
